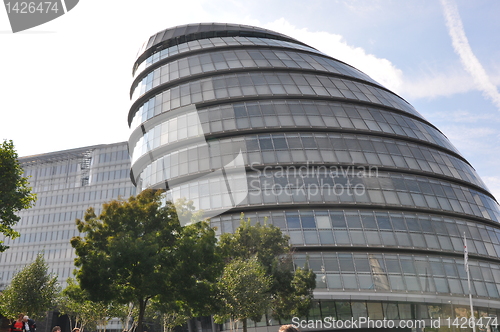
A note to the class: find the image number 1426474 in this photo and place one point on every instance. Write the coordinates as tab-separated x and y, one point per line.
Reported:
31	7
24	15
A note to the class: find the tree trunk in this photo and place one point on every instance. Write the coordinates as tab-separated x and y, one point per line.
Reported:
244	325
142	310
214	327
126	323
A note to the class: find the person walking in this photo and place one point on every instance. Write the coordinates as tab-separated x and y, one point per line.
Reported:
17	325
29	325
288	328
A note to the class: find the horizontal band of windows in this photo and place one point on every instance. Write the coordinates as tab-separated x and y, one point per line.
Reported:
50	172
244	86
188	177
99	195
391	249
342	206
338	309
211	43
137	100
331	305
386	189
431	155
368	228
295	130
322	99
291	115
204	36
402	272
389	266
139	75
189	68
289	150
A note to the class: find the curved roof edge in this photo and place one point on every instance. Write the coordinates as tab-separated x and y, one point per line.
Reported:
184	33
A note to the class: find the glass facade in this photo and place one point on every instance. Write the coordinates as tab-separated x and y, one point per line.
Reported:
374	197
67	183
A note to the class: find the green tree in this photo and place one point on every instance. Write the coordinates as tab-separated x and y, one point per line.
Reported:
290	291
15	193
167	315
32	291
244	292
136	250
194	268
83	312
294	298
70	301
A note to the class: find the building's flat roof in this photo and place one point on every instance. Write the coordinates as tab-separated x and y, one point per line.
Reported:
63	154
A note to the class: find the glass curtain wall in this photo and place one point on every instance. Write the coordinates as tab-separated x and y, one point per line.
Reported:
373	196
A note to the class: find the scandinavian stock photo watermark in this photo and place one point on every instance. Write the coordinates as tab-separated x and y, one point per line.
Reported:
238	179
309	180
367	322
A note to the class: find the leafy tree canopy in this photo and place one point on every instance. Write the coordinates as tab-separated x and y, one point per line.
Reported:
32	291
243	287
15	193
266	242
83	312
290	291
136	250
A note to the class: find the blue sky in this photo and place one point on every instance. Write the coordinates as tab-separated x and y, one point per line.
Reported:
65	83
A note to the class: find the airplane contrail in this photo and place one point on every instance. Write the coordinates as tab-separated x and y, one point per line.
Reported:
462	48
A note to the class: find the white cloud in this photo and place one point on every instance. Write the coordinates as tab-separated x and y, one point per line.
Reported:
381	70
464	116
493	183
435	83
477	143
462	48
467	133
442	82
428	83
356	6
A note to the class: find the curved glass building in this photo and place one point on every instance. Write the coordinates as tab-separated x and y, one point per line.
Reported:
375	198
